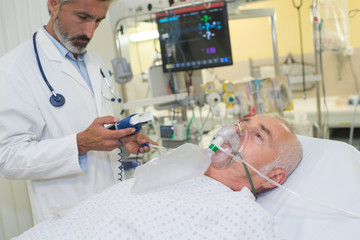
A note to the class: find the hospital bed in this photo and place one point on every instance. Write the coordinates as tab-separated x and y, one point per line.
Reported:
329	173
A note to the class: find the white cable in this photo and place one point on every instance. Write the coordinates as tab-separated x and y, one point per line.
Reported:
204	122
195	121
351	214
157	146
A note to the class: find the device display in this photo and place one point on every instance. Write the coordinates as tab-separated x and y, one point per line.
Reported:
166	131
194	37
176	131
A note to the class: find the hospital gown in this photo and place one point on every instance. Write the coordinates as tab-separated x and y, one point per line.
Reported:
201	208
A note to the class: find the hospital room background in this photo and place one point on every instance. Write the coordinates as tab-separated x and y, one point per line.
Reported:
320	92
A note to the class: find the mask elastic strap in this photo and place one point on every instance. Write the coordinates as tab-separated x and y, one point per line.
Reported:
248	175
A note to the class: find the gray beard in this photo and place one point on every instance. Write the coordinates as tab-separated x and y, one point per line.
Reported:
67	40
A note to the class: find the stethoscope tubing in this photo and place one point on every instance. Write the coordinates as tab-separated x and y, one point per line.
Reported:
56	99
40	66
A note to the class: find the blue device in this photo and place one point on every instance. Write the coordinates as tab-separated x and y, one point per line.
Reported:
136	121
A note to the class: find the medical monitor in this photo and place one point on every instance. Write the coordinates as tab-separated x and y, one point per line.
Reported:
194	37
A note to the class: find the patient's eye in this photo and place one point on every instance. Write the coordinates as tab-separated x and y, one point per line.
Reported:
258	136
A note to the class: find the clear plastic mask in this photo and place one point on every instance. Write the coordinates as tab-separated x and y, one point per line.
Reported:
233	139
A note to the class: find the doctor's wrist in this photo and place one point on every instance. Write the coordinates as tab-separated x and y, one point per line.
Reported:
80	139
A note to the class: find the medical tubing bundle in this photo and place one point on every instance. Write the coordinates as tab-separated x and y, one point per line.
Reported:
350	214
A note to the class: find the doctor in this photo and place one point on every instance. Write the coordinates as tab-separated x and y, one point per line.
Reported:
61	146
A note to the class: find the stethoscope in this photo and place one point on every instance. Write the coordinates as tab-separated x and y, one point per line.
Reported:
56	99
114	98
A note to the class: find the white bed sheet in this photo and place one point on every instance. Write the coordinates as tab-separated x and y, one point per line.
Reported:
328	173
201	208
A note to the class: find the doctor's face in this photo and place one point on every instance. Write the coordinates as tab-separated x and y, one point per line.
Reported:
75	22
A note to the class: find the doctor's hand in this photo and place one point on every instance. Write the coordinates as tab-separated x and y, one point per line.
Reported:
133	142
97	137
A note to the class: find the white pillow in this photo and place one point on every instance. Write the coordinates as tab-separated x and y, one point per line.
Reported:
329	173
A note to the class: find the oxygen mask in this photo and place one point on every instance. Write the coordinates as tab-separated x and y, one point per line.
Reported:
231	138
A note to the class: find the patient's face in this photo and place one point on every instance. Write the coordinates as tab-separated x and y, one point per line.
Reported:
265	135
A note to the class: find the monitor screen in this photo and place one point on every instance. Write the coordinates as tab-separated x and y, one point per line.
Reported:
194	37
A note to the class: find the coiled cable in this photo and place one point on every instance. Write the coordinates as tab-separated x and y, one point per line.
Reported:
121	157
121	165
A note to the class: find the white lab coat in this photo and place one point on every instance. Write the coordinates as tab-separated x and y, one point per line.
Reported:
37	140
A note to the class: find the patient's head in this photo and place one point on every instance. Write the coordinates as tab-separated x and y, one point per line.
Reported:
272	148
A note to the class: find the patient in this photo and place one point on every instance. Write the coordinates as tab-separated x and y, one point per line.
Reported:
272	148
218	205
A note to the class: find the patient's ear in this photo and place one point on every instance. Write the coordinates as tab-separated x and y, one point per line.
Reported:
278	175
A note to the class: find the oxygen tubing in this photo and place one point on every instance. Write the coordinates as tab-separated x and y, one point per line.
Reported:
340	210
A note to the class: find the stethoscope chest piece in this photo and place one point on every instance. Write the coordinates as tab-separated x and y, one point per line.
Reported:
57	100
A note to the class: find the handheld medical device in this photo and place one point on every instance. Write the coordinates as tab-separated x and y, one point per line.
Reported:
56	99
136	121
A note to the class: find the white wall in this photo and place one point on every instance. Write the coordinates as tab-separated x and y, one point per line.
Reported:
15	210
19	19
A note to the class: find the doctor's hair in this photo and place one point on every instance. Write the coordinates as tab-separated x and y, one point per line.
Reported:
63	2
289	153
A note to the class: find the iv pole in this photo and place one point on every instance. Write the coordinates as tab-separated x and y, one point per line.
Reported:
317	47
